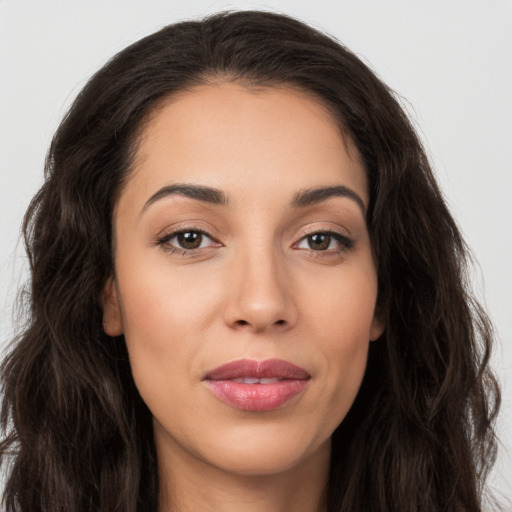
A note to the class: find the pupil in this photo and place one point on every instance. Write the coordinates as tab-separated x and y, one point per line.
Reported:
319	242
190	239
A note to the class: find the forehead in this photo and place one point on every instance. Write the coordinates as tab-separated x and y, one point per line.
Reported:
225	134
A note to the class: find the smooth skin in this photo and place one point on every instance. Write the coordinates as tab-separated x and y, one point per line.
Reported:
247	271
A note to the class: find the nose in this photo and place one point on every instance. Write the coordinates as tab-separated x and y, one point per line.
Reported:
260	295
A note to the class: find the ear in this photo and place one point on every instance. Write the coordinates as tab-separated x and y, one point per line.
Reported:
112	318
377	327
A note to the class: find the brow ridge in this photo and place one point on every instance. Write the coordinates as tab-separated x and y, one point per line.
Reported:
312	196
199	192
215	196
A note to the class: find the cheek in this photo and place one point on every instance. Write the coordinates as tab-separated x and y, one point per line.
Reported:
159	303
164	316
341	317
342	306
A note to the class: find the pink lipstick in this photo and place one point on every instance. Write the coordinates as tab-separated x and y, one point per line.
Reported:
251	385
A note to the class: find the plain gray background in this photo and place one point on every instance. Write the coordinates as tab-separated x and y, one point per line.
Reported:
450	61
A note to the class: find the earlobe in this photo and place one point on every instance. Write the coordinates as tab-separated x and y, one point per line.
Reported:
112	318
377	327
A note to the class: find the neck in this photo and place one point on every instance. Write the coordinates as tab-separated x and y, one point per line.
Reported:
200	487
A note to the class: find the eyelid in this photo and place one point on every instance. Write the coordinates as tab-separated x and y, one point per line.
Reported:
187	225
341	235
325	228
170	233
344	238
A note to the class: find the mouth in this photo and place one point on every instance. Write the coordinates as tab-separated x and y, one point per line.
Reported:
250	385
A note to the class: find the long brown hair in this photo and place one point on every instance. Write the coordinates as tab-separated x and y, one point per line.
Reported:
78	437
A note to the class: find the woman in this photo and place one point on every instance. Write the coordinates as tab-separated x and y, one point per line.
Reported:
247	292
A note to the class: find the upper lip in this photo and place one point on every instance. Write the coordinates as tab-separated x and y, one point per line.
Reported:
270	368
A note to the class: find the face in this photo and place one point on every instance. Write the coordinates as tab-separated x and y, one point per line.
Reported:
244	280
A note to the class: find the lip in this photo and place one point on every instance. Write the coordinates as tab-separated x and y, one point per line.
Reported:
261	396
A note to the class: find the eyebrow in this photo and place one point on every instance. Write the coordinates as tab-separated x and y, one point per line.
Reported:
215	196
317	195
199	192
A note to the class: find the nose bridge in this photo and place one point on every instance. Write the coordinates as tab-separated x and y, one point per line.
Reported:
260	296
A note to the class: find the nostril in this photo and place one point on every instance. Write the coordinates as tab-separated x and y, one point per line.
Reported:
245	322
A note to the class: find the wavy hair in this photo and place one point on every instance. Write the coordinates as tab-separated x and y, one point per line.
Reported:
77	435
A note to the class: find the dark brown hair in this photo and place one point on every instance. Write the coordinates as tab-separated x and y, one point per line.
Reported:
78	437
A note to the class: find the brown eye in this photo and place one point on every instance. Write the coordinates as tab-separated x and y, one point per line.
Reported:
189	239
186	240
319	241
329	242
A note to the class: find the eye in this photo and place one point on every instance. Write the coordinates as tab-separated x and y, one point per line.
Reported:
325	241
186	240
189	240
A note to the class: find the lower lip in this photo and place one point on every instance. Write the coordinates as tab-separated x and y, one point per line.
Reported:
256	397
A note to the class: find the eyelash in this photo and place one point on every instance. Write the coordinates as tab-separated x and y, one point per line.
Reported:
164	240
346	243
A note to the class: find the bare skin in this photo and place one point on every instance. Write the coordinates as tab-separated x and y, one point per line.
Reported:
198	487
259	267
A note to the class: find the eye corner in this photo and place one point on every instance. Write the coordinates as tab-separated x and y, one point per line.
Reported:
321	242
199	241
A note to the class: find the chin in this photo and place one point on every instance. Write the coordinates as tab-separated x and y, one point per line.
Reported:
265	453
